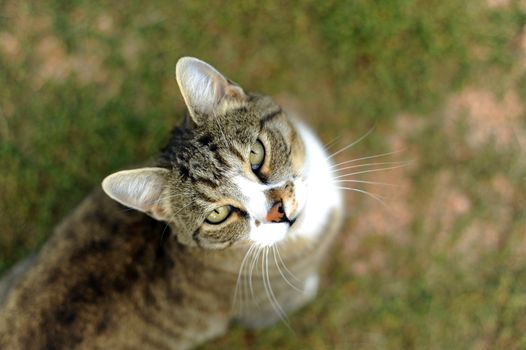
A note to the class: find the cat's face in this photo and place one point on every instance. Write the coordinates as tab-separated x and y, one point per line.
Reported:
235	173
236	176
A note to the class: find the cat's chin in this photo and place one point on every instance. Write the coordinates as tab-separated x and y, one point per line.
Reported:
267	234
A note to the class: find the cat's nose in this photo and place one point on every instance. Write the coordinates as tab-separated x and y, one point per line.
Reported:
276	213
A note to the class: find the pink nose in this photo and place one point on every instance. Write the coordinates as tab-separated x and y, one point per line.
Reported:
276	213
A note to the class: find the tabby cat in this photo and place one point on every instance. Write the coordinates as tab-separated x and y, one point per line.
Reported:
230	224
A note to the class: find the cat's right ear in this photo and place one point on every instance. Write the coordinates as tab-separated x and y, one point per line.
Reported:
204	89
139	189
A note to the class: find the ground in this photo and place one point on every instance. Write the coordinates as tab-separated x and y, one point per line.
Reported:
438	262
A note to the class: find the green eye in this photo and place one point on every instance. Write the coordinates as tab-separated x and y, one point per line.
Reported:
257	155
219	214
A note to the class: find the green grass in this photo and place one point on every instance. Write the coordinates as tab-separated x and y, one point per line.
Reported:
88	88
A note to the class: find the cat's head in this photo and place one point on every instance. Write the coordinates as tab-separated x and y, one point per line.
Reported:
233	172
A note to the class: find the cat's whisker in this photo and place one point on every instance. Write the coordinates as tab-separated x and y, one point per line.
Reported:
374	196
255	258
168	196
240	273
331	143
285	266
367	182
368	164
245	275
181	209
246	291
370	171
353	143
368	157
270	293
166	225
173	216
263	276
281	273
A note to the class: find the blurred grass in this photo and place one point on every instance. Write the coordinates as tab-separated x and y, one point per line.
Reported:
87	88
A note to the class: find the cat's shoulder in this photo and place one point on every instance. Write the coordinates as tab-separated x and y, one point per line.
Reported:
96	260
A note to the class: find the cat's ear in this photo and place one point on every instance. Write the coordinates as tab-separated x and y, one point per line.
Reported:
139	189
204	89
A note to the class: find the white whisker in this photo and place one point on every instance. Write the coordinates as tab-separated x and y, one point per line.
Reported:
270	293
370	171
240	273
367	182
281	273
331	143
374	196
368	157
252	265
353	143
181	209
285	266
368	164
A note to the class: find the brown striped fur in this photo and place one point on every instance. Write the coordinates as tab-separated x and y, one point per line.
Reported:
111	277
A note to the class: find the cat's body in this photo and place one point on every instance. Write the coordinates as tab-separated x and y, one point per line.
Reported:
112	277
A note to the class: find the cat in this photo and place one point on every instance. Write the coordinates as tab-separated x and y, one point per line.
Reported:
230	224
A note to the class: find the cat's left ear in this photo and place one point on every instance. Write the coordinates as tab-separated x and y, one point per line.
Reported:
204	89
139	189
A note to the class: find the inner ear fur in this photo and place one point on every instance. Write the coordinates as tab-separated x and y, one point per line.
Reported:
140	189
205	90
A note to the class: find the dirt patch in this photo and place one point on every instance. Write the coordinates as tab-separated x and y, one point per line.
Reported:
9	45
31	37
57	65
496	4
386	219
452	226
488	117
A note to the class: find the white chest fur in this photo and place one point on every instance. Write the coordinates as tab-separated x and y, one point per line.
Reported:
315	191
322	194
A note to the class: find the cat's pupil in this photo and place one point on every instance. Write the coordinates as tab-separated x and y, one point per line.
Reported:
220	214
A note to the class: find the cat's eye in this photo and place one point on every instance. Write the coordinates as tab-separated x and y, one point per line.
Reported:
219	214
257	155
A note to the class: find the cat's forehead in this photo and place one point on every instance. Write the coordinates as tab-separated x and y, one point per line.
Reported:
245	119
214	151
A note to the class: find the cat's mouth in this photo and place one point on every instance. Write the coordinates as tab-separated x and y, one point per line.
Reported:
292	221
267	233
285	219
278	214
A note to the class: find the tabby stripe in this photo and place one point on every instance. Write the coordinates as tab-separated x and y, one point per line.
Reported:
220	159
235	152
205	197
207	182
157	326
268	117
153	343
196	238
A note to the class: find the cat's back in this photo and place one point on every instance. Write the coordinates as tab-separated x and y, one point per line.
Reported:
101	262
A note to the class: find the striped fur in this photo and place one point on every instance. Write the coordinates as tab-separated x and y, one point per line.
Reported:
161	277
